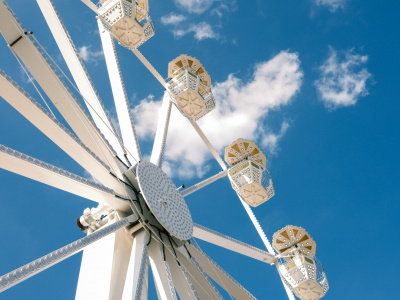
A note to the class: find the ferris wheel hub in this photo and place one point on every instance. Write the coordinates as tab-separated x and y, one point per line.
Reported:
164	200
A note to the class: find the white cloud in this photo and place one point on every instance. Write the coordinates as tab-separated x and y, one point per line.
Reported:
240	111
343	80
90	56
270	141
332	4
201	31
194	6
172	19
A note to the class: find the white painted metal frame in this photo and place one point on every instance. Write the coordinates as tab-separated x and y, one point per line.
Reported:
219	275
80	75
136	279
123	258
35	169
162	131
229	243
161	272
264	239
54	130
17	276
203	183
30	54
104	267
120	98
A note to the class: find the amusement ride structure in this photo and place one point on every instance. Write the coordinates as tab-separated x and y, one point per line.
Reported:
142	219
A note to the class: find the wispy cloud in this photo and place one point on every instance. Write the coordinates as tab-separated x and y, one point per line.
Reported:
270	140
194	6
333	5
201	31
172	19
343	79
90	56
240	111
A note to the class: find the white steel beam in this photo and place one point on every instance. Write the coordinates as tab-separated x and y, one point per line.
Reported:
35	169
204	287
257	226
229	243
161	272
264	239
136	279
55	131
104	268
120	98
91	5
208	144
203	183
22	44
149	67
180	276
219	275
80	75
162	131
41	264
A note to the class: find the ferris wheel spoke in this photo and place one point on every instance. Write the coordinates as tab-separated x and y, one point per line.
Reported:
203	285
35	169
229	243
161	272
208	144
257	225
219	275
55	131
136	283
203	183
182	282
120	98
80	75
162	131
149	66
91	5
41	264
21	43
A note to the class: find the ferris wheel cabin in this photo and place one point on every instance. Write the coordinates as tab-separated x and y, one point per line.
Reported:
299	268
127	20
190	87
248	172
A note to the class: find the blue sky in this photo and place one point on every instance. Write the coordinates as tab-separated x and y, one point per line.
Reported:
313	82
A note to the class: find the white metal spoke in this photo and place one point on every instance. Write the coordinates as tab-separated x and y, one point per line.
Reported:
80	75
162	131
145	284
41	264
265	240
204	287
182	282
203	183
22	44
208	144
257	226
120	98
35	169
149	67
91	5
136	279
219	275
161	272
104	268
54	130
227	242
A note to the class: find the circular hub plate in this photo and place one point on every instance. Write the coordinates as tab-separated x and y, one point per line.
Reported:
164	201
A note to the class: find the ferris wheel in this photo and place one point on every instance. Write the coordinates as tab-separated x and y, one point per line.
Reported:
142	220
